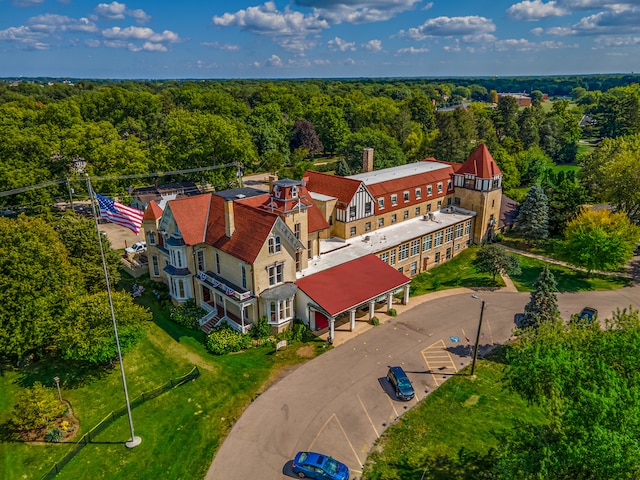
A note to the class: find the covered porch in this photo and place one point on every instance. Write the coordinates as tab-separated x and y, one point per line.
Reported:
348	293
225	302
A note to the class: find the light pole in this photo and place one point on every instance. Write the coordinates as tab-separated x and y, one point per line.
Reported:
57	380
475	350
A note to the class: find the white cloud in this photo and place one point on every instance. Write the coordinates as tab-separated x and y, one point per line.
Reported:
274	61
22	35
535	10
412	50
51	22
357	11
618	20
450	26
267	20
320	61
140	33
617	41
26	3
372	46
230	47
92	43
338	44
118	11
536	31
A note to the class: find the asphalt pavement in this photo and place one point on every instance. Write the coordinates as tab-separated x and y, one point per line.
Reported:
340	402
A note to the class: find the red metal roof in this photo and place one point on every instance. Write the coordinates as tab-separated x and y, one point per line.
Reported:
480	163
345	286
342	188
153	211
252	227
190	214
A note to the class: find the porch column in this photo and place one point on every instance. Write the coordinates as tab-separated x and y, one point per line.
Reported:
389	301
372	309
224	302
405	300
352	314
242	315
332	321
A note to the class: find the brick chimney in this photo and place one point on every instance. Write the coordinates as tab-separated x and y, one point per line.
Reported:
367	160
229	223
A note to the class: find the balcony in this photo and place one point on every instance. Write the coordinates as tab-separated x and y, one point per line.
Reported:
224	286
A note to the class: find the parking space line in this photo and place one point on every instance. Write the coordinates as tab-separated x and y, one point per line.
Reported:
333	415
439	359
394	407
367	414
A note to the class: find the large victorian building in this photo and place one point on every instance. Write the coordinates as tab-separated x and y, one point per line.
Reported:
323	247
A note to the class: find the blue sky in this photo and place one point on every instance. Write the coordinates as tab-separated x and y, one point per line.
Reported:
317	38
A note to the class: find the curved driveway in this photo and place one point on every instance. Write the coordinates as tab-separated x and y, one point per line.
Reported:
338	403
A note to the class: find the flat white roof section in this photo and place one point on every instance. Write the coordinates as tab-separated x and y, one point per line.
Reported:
402	171
335	251
320	197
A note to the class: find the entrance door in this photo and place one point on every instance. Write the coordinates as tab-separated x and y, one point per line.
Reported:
321	320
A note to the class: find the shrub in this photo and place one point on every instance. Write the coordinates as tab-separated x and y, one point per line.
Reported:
225	340
187	314
299	330
37	407
375	321
392	312
54	435
261	329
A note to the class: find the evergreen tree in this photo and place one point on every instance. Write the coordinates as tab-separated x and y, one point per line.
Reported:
543	306
533	219
342	169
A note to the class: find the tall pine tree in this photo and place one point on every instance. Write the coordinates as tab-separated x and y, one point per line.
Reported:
543	306
533	218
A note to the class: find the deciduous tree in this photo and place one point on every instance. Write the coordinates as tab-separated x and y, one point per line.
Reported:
600	240
494	259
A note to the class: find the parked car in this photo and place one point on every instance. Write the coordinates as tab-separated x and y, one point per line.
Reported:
319	466
137	247
588	314
401	383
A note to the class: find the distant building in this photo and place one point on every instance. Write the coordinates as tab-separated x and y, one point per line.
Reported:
161	194
523	99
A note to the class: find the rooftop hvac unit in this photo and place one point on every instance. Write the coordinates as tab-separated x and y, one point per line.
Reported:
426	217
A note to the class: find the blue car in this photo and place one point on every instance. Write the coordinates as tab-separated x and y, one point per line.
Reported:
401	383
319	466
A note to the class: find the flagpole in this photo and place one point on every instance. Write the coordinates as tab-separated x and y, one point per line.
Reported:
133	441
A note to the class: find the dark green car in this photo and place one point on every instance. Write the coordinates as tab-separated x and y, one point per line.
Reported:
401	383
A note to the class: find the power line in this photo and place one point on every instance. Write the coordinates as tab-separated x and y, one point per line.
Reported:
117	177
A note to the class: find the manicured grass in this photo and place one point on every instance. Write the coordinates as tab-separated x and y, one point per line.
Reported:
448	432
180	430
568	280
566	168
457	272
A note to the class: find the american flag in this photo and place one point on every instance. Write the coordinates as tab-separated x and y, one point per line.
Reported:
124	216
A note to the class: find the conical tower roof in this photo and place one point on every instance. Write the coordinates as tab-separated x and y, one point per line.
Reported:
480	163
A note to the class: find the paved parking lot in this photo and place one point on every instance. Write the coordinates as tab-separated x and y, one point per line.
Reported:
340	402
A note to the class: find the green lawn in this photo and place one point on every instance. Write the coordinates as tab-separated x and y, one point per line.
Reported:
180	430
445	436
568	279
458	272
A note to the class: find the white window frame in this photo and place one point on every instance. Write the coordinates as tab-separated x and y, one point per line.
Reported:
381	203
202	266
276	274
275	244
418	193
437	240
403	252
467	227
415	247
449	234
393	257
384	257
394	200
459	228
406	197
429	190
426	243
155	265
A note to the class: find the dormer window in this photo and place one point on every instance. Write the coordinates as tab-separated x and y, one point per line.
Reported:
381	203
429	190
394	200
439	187
294	191
275	245
418	193
276	191
449	185
406	196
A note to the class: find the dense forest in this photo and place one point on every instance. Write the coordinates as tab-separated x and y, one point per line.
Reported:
125	129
